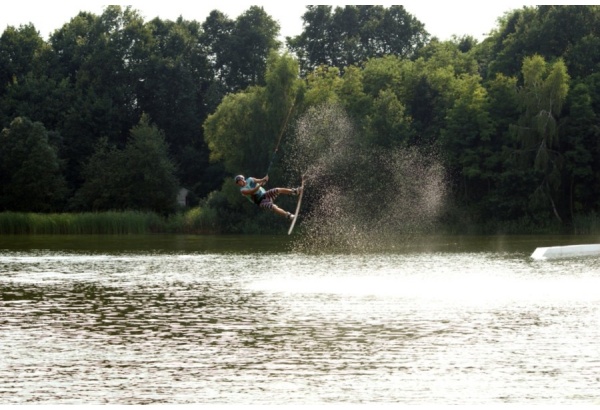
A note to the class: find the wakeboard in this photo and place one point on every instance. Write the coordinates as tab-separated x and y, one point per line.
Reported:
297	207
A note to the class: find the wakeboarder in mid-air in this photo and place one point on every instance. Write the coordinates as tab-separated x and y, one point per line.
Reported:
252	188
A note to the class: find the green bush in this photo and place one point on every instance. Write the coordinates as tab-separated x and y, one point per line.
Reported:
112	222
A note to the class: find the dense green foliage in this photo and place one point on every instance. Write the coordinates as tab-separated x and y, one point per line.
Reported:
29	169
350	35
144	163
193	221
116	113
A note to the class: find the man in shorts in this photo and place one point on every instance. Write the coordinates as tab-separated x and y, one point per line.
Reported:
252	188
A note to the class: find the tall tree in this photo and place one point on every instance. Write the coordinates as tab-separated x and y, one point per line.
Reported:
352	34
239	48
170	83
577	24
30	171
96	55
150	183
253	38
509	190
315	45
466	139
216	33
544	90
26	87
140	177
20	52
243	131
569	32
581	144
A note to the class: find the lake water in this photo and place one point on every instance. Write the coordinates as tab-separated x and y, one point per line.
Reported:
247	320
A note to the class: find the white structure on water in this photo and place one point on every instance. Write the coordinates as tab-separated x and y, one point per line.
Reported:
555	252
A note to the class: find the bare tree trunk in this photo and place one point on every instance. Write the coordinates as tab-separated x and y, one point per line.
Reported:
553	205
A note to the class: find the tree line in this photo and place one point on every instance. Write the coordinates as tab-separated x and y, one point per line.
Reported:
113	112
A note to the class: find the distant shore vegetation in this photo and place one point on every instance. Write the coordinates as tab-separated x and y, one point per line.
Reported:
106	122
198	221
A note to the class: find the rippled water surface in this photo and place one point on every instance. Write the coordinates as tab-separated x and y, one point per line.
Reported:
243	320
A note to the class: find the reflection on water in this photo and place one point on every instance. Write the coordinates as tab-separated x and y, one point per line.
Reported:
237	322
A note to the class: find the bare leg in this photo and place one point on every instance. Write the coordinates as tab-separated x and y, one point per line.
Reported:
279	211
275	208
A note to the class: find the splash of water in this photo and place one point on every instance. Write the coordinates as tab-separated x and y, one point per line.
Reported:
361	199
322	137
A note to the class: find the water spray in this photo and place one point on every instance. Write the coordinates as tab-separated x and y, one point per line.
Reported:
362	199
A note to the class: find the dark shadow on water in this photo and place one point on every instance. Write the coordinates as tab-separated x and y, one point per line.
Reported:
248	244
147	243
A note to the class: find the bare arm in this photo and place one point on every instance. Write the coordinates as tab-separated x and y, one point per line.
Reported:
262	181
